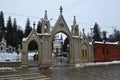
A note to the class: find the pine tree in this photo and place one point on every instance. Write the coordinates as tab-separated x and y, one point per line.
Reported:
14	33
116	35
2	21
27	28
96	31
104	35
19	37
2	27
39	26
111	38
66	42
9	32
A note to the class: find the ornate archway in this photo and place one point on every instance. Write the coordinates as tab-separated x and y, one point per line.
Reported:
44	40
33	37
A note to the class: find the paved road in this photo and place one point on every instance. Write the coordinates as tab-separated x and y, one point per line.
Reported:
106	72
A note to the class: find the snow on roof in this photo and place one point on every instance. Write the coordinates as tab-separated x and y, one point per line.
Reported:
43	34
46	34
25	39
76	36
39	34
90	43
99	42
107	42
112	42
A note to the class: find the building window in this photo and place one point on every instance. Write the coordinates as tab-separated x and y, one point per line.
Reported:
84	53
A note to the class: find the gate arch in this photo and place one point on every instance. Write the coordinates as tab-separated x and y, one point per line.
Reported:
61	26
70	42
26	41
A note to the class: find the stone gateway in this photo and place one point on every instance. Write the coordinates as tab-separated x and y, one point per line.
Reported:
79	48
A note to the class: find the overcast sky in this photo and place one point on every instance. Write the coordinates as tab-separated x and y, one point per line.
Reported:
105	12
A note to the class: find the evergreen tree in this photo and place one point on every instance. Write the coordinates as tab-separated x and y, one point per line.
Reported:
66	42
116	35
39	26
104	35
27	28
111	38
14	33
9	32
2	27
19	37
2	21
96	31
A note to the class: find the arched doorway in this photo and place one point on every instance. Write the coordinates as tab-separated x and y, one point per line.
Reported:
60	48
32	53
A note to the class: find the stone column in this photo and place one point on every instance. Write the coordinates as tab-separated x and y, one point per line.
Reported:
24	56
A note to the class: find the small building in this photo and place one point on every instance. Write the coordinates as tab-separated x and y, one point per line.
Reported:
57	45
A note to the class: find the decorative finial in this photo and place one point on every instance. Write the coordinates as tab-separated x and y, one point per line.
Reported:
34	25
74	22
45	17
83	31
45	11
61	9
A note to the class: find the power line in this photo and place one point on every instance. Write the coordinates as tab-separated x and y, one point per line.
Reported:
22	15
74	5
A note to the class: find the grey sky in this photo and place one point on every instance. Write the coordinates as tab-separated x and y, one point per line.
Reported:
105	12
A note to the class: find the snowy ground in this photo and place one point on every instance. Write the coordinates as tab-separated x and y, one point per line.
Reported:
13	57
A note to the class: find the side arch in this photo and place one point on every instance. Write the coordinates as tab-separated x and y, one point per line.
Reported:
85	52
25	44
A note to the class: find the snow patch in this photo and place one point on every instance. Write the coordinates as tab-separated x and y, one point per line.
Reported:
10	57
4	69
81	65
96	64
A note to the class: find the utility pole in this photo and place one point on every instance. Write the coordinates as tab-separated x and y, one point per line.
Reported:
91	29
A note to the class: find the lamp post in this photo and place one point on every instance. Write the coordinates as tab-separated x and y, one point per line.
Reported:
91	33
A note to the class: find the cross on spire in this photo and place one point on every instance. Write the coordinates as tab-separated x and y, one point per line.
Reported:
34	25
61	9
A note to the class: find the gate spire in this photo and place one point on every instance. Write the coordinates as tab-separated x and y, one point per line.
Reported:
46	17
75	29
74	22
